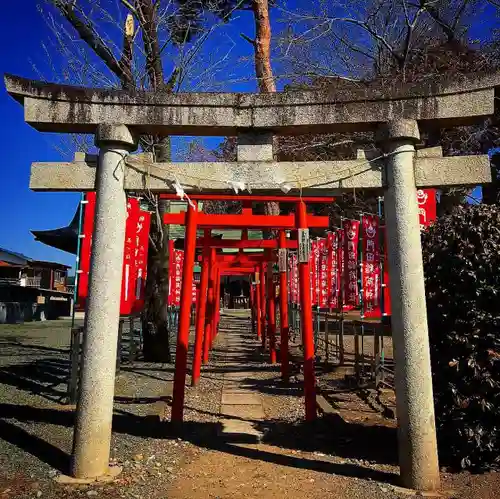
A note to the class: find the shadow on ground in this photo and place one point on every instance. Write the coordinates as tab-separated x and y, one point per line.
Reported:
348	441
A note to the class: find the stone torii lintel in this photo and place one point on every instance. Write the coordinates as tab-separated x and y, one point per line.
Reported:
431	170
465	99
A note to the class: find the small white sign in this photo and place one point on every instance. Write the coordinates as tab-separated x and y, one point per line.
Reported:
304	245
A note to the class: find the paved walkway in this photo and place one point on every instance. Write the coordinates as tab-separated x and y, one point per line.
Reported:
240	405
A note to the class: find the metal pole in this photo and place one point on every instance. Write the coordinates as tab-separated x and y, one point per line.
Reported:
184	316
92	437
418	457
306	319
200	319
284	326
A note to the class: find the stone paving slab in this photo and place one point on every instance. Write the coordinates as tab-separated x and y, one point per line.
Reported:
248	412
240	404
244	398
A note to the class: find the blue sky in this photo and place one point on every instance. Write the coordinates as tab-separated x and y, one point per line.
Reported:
21	40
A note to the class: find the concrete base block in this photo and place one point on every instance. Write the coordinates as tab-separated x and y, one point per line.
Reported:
113	472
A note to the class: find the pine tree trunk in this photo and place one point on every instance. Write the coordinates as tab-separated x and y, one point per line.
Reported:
263	69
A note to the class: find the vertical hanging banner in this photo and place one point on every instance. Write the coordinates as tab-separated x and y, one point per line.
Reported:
426	200
85	248
127	298
340	263
141	259
333	271
351	239
177	280
294	279
313	270
134	255
171	272
194	292
323	273
370	262
386	293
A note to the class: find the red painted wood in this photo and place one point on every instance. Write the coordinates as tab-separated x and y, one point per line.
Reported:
284	325
307	325
184	317
256	197
271	312
239	244
210	308
200	317
258	298
262	270
206	220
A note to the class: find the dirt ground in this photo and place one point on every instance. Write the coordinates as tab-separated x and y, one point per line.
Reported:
352	455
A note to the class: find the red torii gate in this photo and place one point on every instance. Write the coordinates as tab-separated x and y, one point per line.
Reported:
206	324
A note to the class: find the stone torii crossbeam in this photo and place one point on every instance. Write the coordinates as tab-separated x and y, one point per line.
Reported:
117	118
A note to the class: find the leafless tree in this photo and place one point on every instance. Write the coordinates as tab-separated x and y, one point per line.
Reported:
385	43
136	44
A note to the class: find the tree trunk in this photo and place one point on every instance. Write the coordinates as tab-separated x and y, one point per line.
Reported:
156	334
263	69
262	45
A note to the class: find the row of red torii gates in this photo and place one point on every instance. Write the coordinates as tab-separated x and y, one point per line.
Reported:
214	266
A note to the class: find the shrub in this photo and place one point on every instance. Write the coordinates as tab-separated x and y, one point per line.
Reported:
462	276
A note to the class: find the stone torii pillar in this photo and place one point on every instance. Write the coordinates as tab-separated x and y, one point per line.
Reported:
92	437
418	456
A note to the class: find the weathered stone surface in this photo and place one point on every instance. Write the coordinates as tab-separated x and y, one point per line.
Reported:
255	147
247	398
415	404
312	177
62	108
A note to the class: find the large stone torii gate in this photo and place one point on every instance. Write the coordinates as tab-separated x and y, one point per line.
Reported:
117	118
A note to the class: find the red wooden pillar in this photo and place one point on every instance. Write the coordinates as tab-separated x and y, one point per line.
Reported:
258	298
214	309
307	321
217	302
184	316
210	307
285	368
200	318
271	312
251	301
263	304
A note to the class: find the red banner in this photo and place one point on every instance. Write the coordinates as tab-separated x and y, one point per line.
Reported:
85	247
386	289
426	199
128	270
294	279
340	261
313	270
371	272
351	238
134	256
323	273
333	271
141	259
175	277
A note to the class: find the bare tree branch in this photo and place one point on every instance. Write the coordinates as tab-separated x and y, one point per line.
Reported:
89	35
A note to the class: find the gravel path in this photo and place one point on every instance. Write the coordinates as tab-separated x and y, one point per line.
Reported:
352	456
